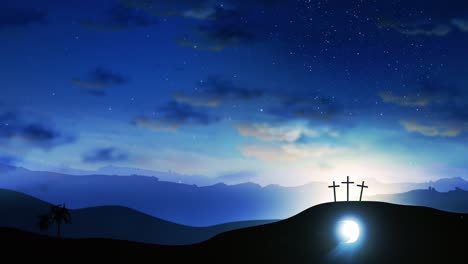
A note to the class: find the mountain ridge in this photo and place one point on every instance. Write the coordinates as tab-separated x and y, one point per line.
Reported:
117	222
190	204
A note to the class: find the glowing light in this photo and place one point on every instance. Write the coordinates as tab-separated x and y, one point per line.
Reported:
348	231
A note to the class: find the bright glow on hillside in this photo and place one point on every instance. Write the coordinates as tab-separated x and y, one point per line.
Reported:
348	231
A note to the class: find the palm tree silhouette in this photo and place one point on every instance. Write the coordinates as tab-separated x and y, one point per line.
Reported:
58	214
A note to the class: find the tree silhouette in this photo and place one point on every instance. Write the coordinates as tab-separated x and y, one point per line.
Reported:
58	214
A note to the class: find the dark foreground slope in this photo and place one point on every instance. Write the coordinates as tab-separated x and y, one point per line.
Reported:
392	234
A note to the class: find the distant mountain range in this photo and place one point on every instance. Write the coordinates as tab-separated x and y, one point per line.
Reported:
21	211
175	202
453	201
170	176
442	185
194	205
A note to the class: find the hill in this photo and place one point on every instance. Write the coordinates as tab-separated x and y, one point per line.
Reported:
391	234
20	211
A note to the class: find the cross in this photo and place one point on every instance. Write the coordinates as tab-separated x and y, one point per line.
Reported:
347	182
334	189
362	188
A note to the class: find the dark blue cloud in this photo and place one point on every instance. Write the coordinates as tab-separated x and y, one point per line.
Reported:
306	107
38	133
121	17
429	18
174	115
173	8
221	28
220	35
431	92
426	92
99	79
14	128
220	25
215	91
297	105
442	109
20	16
105	155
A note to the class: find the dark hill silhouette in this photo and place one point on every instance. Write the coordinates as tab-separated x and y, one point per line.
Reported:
21	211
392	234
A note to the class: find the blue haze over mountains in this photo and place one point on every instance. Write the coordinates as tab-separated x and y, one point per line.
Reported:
194	205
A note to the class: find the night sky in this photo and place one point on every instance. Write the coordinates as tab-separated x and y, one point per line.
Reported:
273	92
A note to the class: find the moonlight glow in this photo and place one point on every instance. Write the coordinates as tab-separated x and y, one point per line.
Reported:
348	231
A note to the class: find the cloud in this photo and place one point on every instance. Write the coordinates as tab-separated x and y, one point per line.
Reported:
222	27
217	37
174	115
98	79
405	100
289	152
195	9
432	130
215	91
221	35
105	155
446	104
307	107
161	7
121	17
20	17
438	30
281	132
16	131
438	27
461	24
38	133
427	93
200	13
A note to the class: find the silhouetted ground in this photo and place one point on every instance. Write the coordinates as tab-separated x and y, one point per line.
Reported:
391	234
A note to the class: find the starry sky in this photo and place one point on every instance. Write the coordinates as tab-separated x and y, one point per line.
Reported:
268	91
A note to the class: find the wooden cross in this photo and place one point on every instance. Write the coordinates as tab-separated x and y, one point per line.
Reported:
347	182
334	189
362	188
